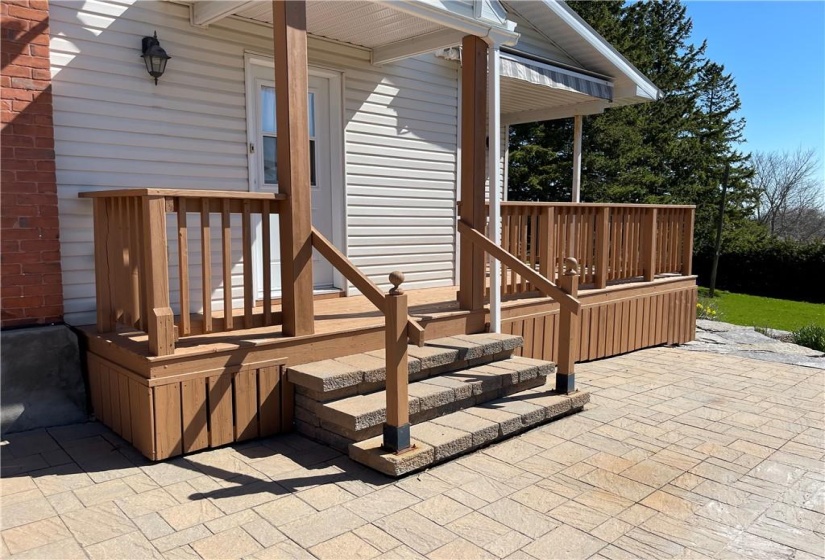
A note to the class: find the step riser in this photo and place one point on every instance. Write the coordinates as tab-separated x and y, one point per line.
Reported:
377	381
338	436
433	448
363	411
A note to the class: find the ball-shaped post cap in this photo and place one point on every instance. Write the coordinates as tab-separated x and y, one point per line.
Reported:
396	279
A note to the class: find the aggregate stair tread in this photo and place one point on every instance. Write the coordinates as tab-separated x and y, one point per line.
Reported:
492	380
332	379
461	432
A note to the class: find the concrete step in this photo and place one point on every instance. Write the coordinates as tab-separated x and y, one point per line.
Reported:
359	374
443	438
362	416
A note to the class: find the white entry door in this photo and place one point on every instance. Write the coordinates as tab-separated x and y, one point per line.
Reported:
264	169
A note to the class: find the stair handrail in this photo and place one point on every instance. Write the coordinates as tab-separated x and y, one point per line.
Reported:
542	283
367	287
565	295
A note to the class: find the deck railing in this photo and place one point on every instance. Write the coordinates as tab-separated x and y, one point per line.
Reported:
132	272
610	242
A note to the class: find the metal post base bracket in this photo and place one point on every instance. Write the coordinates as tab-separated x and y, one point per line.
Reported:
565	383
397	438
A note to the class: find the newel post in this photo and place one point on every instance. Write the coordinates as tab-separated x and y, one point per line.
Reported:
568	331
397	426
161	320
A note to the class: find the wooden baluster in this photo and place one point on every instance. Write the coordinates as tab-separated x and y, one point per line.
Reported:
122	278
397	427
161	320
183	266
103	295
568	331
206	266
649	244
592	218
513	247
546	264
267	261
524	222
226	262
144	274
505	240
134	261
687	242
602	246
248	297
535	242
675	241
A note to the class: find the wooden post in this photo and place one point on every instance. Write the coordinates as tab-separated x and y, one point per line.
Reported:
568	331
602	246
577	158
397	426
103	294
649	248
161	320
292	85
473	176
687	242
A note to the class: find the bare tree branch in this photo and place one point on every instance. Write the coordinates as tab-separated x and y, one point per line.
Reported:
792	194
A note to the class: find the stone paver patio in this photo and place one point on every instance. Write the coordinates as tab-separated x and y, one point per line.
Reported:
680	455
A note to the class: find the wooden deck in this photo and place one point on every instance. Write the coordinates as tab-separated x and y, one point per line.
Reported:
232	384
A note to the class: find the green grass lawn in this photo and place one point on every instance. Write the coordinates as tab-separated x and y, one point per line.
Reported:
757	311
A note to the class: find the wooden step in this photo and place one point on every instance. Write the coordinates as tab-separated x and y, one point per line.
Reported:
362	416
355	374
443	438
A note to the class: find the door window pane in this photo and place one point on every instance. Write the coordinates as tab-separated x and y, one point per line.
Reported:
268	109
270	160
269	139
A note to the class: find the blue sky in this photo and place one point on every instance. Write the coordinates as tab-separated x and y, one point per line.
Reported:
776	53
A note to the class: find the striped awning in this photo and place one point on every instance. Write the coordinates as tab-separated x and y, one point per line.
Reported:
532	71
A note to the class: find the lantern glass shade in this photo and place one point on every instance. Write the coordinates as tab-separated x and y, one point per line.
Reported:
154	57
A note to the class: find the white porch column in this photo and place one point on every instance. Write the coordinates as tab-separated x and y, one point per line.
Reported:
494	182
577	158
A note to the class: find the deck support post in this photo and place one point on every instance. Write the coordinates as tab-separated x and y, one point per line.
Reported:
649	244
577	158
568	331
397	426
292	117
494	180
473	156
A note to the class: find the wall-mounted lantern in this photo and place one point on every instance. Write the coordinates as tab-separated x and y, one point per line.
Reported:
154	56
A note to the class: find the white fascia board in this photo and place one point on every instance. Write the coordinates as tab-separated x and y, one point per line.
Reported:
647	89
448	15
204	12
553	113
415	46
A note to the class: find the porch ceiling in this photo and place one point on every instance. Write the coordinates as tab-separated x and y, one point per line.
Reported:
361	23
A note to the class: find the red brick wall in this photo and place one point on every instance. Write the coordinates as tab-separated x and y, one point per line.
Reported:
31	292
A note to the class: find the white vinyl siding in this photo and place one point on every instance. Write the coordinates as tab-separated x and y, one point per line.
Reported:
115	129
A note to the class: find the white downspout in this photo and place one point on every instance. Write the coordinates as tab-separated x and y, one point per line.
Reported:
494	182
577	158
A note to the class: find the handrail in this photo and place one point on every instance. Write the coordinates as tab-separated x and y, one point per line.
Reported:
596	204
545	286
399	328
366	286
